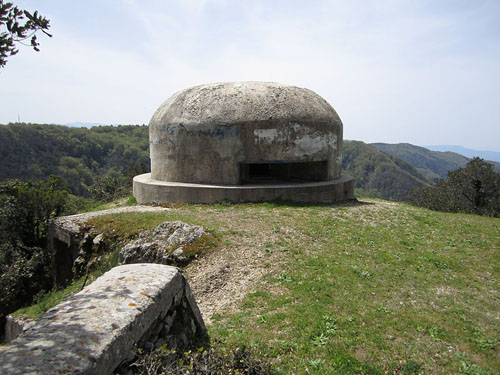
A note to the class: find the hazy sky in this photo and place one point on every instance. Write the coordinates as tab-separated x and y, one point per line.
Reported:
423	72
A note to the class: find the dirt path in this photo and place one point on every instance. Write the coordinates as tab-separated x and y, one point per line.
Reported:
223	277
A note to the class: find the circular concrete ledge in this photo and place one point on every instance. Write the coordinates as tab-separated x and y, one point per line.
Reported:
148	190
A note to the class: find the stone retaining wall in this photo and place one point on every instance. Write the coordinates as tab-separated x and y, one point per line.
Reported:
99	328
68	239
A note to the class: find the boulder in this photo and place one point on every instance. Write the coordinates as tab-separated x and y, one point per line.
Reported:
164	245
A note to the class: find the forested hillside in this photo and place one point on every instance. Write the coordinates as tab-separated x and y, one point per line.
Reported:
80	156
433	165
378	174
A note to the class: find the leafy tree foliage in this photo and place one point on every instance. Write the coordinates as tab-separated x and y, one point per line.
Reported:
473	189
107	188
82	157
17	26
98	162
25	264
26	207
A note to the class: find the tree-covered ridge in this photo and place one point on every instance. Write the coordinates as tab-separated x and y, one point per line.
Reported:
100	158
78	155
433	165
100	162
378	174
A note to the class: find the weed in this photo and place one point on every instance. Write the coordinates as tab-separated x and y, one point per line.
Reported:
383	309
410	367
364	274
223	203
440	265
319	340
481	342
467	368
43	301
284	277
131	201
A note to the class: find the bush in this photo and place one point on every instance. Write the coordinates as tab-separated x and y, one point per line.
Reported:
200	362
25	263
27	207
108	188
24	271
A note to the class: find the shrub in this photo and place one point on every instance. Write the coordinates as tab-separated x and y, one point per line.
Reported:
200	362
25	264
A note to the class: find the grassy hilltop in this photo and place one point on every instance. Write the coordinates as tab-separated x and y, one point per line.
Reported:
367	288
373	287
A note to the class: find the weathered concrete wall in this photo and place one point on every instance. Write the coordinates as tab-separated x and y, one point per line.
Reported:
93	332
201	134
147	190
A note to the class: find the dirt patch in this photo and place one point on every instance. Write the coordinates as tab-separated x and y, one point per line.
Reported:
223	277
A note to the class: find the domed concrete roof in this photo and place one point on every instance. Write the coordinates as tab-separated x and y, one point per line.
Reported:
244	142
237	102
206	134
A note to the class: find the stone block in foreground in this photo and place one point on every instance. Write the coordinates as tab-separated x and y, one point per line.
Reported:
97	329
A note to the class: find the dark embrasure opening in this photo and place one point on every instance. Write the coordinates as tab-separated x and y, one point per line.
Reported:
283	172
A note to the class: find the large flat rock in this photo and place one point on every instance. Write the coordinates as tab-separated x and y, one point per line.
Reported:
95	330
72	223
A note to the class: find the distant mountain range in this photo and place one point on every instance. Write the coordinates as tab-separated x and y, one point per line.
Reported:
470	153
393	171
431	164
83	124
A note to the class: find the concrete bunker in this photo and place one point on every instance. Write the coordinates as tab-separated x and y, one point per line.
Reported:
244	142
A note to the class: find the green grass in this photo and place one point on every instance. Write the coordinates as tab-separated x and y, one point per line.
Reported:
368	288
374	290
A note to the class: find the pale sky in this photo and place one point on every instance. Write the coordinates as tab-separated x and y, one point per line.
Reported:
423	72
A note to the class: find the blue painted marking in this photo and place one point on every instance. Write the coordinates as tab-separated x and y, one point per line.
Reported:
213	132
219	133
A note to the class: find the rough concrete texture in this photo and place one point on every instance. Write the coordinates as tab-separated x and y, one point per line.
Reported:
202	134
67	239
14	326
163	245
148	190
97	329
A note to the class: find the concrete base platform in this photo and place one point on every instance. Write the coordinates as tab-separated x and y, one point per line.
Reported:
147	190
